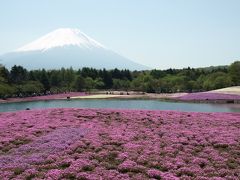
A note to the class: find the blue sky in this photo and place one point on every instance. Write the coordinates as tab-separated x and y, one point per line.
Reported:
157	33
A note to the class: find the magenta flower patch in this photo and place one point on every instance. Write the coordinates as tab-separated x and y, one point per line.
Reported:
209	96
45	97
119	144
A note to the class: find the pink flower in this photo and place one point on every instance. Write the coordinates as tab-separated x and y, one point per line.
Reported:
127	166
53	173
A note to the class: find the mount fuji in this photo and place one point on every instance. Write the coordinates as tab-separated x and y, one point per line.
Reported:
66	48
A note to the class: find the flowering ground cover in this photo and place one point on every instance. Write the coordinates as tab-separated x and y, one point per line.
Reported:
45	97
209	96
119	144
97	96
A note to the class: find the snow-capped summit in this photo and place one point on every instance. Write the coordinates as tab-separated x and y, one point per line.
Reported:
61	37
66	48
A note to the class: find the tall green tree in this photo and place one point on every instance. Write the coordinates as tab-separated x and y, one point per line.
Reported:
234	71
79	83
4	74
18	74
55	78
45	80
89	84
69	77
107	79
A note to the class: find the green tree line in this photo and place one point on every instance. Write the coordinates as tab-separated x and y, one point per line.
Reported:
19	82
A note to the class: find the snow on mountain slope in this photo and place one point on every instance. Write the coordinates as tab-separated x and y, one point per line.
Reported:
61	37
67	48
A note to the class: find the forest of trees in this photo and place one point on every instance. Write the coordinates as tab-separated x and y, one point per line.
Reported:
19	82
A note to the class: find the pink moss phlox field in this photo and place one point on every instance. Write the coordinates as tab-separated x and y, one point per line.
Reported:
209	96
119	144
45	97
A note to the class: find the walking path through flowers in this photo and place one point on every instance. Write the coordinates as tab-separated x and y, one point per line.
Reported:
119	144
